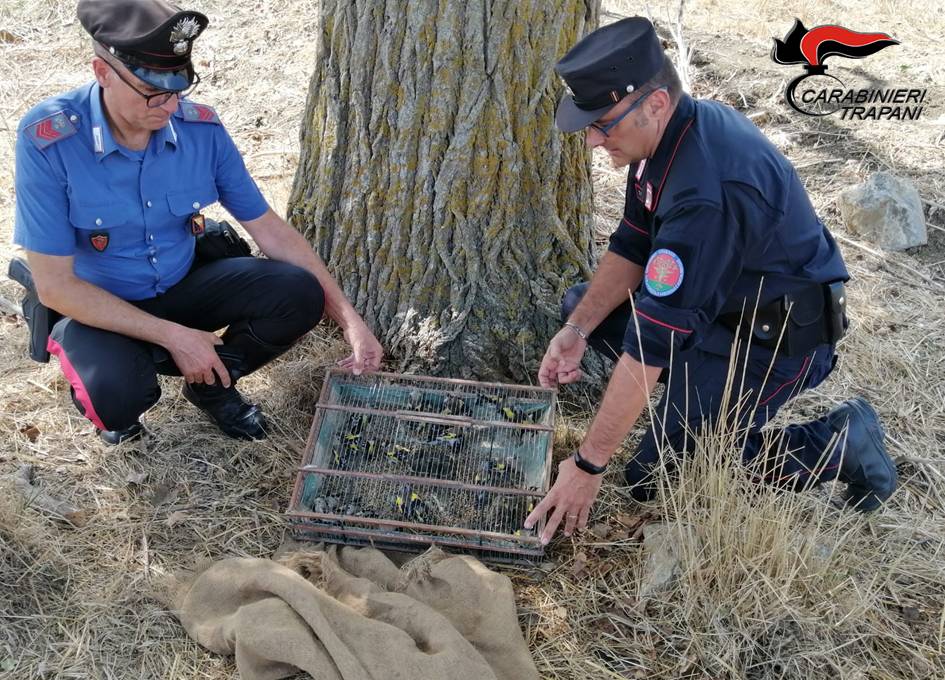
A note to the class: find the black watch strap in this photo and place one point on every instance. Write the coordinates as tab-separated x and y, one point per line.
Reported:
586	465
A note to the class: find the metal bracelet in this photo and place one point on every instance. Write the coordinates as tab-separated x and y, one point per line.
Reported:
577	329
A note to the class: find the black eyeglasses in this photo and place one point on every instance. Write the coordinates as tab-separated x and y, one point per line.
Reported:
153	101
611	124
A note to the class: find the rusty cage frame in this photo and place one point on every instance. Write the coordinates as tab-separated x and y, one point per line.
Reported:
401	462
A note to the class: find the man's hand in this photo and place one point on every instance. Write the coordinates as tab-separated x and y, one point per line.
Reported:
193	352
572	496
366	351
562	361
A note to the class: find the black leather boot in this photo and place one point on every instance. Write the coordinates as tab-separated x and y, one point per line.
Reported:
242	352
235	416
866	467
115	437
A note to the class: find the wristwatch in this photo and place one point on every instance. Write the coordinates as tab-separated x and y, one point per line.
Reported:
586	465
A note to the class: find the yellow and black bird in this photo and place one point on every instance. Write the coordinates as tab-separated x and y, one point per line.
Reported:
411	506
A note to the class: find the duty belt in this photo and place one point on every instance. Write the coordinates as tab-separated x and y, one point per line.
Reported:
812	316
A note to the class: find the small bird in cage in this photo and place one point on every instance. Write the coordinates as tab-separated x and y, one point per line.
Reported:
411	505
511	412
353	510
351	445
455	405
325	505
497	472
415	399
399	453
449	438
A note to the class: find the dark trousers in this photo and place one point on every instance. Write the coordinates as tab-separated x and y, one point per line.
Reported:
267	305
797	457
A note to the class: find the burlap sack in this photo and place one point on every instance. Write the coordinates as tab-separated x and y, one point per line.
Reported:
352	614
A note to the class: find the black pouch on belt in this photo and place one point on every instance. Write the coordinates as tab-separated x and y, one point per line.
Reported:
39	318
219	240
806	326
837	322
809	317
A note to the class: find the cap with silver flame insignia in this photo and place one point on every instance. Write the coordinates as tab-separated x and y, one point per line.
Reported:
153	38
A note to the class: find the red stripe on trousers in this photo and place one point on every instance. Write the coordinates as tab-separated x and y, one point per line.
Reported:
81	394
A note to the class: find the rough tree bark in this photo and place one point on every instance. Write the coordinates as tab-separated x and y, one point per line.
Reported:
433	182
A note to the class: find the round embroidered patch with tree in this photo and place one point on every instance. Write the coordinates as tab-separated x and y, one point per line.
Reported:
664	273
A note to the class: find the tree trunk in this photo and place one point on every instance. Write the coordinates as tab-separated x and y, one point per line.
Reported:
434	184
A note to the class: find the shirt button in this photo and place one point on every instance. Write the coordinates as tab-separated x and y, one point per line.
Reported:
150	237
74	118
148	204
196	205
98	221
153	260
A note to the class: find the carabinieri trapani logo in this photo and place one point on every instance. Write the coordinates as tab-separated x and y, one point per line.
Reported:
812	47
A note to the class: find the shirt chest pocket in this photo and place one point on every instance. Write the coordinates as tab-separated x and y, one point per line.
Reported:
104	226
185	202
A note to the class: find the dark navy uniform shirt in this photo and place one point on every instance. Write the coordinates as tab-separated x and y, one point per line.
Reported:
716	217
124	215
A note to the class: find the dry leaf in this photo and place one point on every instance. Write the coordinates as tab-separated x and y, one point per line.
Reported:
580	564
561	612
620	535
164	493
600	530
625	519
605	568
175	517
7	37
136	478
31	432
78	518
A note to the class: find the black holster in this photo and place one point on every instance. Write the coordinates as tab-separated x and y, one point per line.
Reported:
796	322
220	240
39	318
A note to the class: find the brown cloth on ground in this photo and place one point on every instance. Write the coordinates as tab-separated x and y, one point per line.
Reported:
352	614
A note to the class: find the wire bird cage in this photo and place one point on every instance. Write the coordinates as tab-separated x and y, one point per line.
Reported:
399	461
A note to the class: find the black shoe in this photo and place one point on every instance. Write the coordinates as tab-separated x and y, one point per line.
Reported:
129	434
866	467
225	405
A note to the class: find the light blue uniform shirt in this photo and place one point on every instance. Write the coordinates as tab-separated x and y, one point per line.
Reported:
123	215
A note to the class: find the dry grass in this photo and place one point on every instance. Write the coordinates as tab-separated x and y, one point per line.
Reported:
769	585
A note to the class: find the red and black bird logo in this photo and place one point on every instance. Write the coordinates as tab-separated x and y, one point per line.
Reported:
811	47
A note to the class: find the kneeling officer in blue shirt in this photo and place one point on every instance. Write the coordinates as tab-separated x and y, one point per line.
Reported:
718	240
110	182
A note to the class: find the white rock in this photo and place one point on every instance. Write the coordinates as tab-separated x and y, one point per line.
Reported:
662	558
885	210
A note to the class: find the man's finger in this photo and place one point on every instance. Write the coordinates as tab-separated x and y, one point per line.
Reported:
547	374
569	377
570	521
552	525
537	513
583	516
223	373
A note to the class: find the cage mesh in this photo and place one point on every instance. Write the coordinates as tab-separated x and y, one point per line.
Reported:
404	461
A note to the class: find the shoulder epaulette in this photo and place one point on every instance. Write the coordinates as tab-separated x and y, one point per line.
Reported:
51	129
199	113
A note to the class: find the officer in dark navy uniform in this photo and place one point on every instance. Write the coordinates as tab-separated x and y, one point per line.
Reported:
110	182
718	240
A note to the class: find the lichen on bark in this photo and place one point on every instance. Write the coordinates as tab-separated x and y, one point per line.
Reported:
434	184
